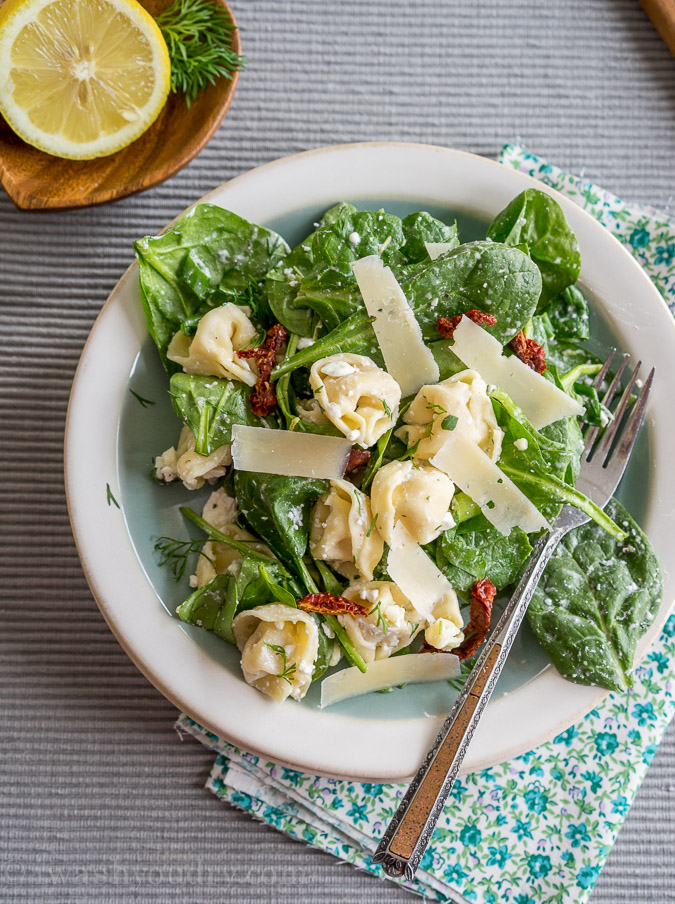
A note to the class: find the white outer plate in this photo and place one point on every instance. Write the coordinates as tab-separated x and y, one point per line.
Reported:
324	742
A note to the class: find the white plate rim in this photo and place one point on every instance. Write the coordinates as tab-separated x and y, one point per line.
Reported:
386	750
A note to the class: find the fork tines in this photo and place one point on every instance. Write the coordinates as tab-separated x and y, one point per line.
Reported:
616	444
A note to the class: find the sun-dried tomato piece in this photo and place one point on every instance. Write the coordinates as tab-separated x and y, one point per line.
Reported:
264	354
327	604
482	597
446	325
263	399
529	352
357	459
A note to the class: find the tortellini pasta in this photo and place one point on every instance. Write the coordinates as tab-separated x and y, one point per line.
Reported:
220	511
417	496
310	410
189	466
391	622
279	645
342	532
357	396
445	631
213	348
463	395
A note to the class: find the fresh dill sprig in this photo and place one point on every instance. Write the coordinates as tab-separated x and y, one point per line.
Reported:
287	670
381	620
176	552
143	402
198	35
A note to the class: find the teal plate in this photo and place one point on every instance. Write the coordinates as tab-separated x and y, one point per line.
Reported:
380	737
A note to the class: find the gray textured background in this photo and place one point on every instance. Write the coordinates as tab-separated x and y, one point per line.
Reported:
101	802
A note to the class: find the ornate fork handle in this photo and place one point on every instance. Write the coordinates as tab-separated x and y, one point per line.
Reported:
407	835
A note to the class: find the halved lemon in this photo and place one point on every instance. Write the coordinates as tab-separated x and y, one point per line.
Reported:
81	78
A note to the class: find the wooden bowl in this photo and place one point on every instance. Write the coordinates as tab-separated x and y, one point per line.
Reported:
37	181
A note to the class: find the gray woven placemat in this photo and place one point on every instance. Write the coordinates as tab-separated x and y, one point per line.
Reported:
99	800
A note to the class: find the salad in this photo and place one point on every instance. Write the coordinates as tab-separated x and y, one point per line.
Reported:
388	418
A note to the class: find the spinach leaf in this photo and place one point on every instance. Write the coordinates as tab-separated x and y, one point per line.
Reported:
482	275
569	315
550	449
595	600
214	605
536	220
475	549
315	281
354	335
325	651
209	256
549	460
278	510
421	227
210	406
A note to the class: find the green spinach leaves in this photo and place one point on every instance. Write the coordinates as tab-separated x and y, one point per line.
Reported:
210	407
474	550
210	256
278	509
595	600
535	220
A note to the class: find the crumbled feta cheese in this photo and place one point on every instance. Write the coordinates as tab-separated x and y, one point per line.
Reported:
337	369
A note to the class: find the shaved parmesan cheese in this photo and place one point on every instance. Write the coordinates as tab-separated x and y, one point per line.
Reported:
500	500
288	453
413	668
406	357
415	573
435	249
542	402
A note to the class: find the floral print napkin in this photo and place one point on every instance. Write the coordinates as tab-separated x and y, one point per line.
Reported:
535	829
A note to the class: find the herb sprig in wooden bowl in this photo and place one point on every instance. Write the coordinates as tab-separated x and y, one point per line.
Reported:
198	35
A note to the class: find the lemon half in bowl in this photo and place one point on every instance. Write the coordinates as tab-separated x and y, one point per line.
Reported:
81	78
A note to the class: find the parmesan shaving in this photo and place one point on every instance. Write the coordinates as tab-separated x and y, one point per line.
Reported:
413	668
541	401
406	357
288	453
435	249
500	500
414	572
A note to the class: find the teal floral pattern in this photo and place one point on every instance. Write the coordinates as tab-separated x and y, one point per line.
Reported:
534	830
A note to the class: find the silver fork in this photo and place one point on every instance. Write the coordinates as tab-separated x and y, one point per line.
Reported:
602	467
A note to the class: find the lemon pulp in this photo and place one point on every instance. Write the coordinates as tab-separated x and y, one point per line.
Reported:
81	78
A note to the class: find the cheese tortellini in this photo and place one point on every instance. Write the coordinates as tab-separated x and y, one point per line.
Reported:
445	631
390	624
279	645
189	466
357	396
213	348
310	410
416	496
464	396
342	532
220	510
